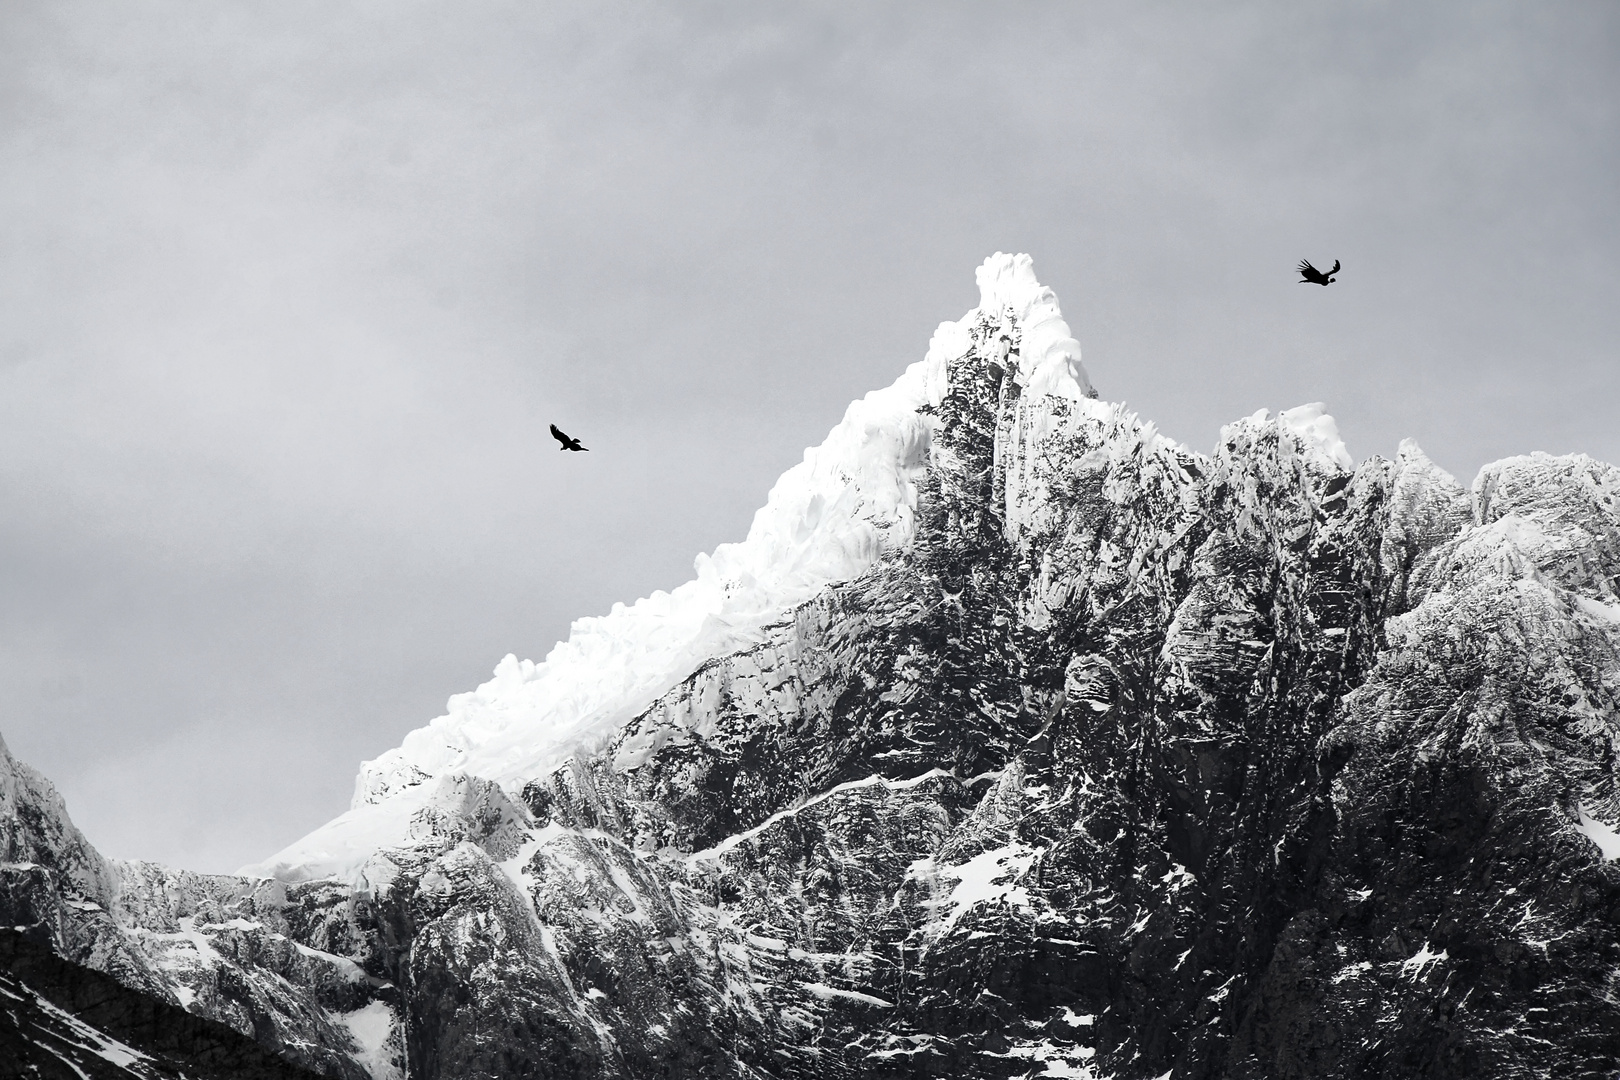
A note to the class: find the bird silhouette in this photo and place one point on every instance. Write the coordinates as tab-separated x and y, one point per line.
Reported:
1313	276
568	442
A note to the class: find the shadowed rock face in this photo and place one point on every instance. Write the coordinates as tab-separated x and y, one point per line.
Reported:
60	1020
1135	761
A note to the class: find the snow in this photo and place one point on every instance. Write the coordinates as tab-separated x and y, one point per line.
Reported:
189	933
1420	477
341	847
1353	971
1413	966
827	519
1317	430
347	969
1178	877
991	876
370	1028
1607	840
1599	610
1056	1060
902	1046
1051	356
769	944
832	993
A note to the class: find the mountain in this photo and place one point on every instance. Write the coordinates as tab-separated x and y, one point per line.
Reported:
1015	740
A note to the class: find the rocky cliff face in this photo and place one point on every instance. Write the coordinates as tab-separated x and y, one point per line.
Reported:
61	1021
224	948
1027	743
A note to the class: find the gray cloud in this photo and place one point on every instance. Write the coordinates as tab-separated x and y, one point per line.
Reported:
289	292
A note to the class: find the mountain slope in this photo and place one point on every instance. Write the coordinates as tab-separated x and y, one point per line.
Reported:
1015	740
61	1020
218	946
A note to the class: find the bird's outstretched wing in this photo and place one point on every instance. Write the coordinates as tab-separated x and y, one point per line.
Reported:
567	440
1335	269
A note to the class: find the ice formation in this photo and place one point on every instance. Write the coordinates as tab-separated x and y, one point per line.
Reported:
1318	432
827	519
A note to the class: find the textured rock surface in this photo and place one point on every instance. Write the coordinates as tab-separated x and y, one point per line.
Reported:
60	1020
219	946
1113	759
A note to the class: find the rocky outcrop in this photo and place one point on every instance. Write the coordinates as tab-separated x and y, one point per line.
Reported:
1101	758
61	1020
233	950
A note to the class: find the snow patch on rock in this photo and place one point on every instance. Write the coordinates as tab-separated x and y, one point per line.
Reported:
736	840
80	1036
1598	609
832	993
371	1028
1606	838
342	846
991	877
1414	966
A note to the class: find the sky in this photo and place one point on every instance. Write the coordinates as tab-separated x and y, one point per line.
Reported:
289	293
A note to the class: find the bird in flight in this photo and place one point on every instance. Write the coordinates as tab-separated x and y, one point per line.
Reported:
568	443
1312	276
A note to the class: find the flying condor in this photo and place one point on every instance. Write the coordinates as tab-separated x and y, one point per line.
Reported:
568	442
1312	276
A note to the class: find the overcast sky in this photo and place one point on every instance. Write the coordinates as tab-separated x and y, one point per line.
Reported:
289	292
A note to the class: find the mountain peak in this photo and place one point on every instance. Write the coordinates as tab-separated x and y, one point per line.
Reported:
1050	355
847	503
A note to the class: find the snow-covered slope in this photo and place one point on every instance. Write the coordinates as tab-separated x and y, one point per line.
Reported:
827	519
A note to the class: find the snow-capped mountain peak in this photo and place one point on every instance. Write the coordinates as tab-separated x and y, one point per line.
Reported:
827	519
